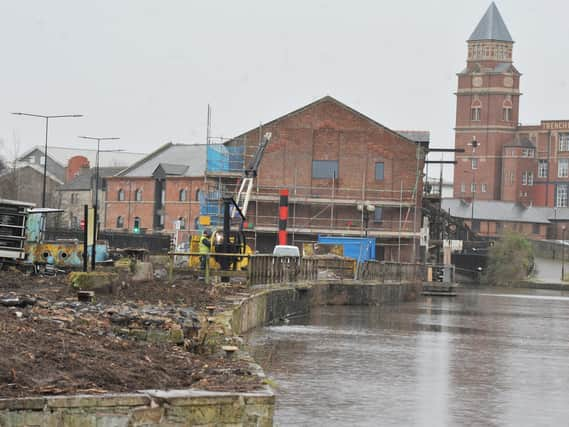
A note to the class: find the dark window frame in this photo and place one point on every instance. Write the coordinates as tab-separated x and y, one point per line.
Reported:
382	178
320	171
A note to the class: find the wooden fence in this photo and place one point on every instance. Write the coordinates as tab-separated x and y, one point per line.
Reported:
269	269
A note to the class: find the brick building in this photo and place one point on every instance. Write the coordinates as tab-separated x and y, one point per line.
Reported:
332	159
507	161
157	192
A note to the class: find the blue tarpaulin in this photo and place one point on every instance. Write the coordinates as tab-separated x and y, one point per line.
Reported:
360	248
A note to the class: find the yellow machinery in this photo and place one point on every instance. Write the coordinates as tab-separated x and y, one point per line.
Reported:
236	246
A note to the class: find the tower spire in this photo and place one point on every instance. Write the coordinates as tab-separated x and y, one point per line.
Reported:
491	27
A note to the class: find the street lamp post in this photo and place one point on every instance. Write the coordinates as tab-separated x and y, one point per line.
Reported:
95	205
563	254
45	147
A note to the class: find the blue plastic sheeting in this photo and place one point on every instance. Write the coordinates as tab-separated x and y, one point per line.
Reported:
221	158
360	248
210	205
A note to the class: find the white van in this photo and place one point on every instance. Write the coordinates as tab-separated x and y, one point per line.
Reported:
286	250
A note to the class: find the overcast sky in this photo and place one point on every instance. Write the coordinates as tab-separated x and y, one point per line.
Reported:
145	70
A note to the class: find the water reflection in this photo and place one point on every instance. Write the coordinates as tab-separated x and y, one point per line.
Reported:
482	358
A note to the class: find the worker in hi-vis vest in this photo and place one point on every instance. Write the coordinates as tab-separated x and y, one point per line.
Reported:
205	246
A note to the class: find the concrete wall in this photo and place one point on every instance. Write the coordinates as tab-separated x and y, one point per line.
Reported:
279	303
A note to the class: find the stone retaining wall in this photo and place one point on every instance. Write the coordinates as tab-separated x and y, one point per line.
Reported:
277	303
150	408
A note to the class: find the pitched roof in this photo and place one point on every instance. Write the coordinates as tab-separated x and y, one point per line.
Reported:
62	155
422	136
491	27
494	210
34	167
523	141
168	169
190	156
326	98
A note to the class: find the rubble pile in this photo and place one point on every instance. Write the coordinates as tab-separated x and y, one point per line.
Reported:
143	337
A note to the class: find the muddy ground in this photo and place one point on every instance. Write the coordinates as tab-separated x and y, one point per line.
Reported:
51	344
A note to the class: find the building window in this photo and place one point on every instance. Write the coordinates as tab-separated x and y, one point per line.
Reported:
563	168
484	188
530	178
120	222
542	169
507	114
499	227
120	195
73	198
138	195
463	188
474	163
183	195
535	229
182	222
524	178
475	114
528	152
378	214
561	199
324	169
198	191
42	160
379	171
564	142
473	187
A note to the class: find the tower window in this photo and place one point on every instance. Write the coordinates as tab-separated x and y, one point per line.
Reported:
463	188
507	114
473	187
475	114
474	163
484	188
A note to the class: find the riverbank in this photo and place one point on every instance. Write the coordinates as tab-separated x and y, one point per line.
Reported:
123	345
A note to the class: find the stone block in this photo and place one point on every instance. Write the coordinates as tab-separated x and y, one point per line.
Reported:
98	281
143	272
30	403
146	416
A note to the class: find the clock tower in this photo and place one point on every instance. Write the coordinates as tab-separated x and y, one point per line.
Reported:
487	108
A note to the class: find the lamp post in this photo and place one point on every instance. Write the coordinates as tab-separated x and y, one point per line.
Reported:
95	206
563	254
474	144
45	147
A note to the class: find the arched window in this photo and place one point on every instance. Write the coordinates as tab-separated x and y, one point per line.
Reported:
120	195
183	195
138	195
475	110
507	110
182	223
120	222
198	195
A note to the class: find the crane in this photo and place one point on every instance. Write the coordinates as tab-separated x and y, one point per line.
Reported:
249	175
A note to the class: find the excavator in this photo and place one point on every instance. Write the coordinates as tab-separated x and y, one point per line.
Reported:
234	215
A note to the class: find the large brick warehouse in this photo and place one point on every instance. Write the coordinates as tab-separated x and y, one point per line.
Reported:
333	159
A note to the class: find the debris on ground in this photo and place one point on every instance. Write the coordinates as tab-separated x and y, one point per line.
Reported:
141	336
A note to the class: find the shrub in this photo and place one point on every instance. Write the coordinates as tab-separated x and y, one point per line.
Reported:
510	260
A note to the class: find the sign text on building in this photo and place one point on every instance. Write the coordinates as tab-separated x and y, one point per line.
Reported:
554	125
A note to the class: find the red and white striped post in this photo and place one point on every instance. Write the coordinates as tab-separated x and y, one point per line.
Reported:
283	216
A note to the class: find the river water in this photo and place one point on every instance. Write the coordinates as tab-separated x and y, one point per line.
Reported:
488	357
